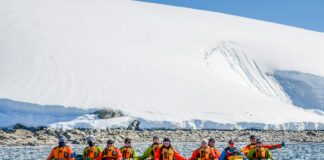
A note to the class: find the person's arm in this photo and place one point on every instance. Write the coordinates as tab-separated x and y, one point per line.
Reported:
178	156
250	154
119	154
146	154
194	155
84	152
99	150
134	154
69	151
217	153
245	150
213	153
51	155
100	156
223	155
269	155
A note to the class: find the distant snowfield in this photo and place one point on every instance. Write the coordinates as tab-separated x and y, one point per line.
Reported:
166	66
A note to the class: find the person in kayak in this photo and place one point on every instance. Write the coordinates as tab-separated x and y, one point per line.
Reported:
110	152
167	152
259	152
92	151
211	144
204	152
231	152
128	152
61	152
151	150
252	144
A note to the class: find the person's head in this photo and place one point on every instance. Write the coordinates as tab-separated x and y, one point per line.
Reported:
211	142
231	143
155	140
204	143
110	143
91	140
258	143
252	139
61	141
127	142
166	142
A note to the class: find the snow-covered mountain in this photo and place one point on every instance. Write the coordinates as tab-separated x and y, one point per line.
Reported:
166	66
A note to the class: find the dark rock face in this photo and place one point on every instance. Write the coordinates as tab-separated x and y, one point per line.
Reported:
108	113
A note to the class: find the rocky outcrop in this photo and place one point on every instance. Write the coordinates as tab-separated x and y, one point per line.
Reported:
48	136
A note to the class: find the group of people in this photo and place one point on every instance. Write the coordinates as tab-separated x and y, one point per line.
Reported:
256	150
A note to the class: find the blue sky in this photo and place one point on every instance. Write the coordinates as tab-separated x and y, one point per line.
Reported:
308	14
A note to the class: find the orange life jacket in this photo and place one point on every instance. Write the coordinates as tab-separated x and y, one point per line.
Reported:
166	153
61	153
127	152
155	147
261	153
204	154
91	152
109	153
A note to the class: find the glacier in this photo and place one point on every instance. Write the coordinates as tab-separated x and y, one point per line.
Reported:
167	66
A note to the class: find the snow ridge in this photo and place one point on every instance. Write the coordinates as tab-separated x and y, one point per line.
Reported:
245	68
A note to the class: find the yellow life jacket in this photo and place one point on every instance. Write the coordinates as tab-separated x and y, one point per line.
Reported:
261	153
109	153
61	153
204	154
127	152
167	153
235	158
91	152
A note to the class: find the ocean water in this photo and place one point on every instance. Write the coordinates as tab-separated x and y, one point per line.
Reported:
292	151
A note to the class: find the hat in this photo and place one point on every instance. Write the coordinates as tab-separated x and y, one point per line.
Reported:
61	139
91	138
231	141
212	140
166	140
110	141
204	141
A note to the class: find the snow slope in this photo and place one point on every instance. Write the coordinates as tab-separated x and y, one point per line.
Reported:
159	64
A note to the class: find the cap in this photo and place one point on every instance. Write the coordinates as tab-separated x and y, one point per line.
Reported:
212	140
166	140
61	139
